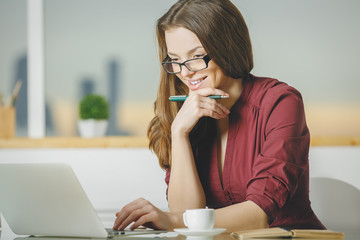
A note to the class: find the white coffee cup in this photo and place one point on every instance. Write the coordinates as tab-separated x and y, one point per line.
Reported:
199	219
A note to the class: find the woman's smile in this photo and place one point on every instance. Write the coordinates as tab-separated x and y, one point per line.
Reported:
195	83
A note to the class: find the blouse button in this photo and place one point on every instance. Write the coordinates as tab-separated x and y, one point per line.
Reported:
228	196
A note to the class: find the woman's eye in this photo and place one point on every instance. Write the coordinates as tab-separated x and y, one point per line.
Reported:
199	55
173	59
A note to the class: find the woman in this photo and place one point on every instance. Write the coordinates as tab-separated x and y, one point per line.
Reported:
245	155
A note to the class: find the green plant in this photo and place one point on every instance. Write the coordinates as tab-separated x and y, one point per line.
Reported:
93	106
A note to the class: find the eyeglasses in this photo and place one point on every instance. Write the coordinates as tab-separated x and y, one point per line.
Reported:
194	65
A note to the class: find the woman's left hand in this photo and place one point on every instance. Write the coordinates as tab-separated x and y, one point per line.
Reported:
143	213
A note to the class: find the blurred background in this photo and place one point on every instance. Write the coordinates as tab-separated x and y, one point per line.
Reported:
109	47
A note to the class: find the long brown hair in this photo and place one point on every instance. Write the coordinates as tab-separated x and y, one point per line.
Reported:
223	33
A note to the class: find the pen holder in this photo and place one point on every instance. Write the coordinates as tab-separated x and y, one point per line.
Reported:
7	122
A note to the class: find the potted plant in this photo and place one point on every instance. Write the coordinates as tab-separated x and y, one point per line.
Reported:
93	114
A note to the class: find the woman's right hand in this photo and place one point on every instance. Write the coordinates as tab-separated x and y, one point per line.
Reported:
142	213
198	105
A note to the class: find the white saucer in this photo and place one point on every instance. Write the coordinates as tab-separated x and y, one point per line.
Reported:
208	233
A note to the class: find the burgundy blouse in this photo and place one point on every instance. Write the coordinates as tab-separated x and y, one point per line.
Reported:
266	159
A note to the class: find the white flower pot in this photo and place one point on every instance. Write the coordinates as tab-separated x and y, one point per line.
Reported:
92	128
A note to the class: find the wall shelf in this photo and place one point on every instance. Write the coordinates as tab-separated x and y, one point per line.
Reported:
133	142
75	142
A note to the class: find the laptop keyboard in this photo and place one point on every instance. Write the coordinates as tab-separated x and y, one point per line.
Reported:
112	232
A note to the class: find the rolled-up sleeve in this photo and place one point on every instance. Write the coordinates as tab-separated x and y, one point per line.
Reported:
284	151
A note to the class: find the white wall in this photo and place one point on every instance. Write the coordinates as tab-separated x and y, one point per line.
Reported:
341	163
114	177
110	177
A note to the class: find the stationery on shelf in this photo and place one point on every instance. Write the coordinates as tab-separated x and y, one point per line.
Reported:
278	232
15	93
7	113
11	100
1	100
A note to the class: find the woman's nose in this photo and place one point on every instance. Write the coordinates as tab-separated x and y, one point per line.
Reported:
185	72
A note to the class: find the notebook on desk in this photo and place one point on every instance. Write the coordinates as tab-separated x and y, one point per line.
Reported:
48	200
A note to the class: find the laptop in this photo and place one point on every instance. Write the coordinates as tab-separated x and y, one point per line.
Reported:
44	199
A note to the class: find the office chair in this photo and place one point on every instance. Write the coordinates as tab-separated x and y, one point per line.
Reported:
336	203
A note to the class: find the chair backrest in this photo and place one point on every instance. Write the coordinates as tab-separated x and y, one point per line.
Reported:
336	203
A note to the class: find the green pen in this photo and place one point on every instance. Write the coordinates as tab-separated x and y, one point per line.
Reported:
178	98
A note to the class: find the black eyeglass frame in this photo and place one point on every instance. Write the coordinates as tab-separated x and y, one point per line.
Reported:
206	59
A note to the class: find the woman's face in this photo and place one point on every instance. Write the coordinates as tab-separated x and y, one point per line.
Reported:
182	45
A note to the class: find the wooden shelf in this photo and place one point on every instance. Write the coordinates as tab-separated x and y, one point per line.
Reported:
335	141
133	142
75	142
